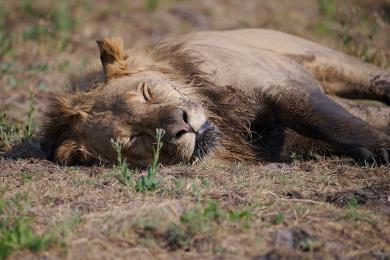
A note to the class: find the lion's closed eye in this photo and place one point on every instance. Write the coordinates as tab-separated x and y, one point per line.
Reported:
144	89
129	142
134	139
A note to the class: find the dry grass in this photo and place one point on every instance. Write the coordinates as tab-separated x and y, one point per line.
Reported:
213	208
327	208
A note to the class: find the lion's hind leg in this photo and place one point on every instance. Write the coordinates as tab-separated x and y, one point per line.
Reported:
340	74
345	76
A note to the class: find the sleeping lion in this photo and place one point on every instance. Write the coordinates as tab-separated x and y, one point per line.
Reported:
244	95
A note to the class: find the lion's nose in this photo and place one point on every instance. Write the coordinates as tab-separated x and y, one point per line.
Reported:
182	120
183	125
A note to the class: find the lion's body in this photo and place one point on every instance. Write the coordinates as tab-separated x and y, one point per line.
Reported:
275	56
265	90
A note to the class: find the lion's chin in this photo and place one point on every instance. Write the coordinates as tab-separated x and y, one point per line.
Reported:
192	147
207	139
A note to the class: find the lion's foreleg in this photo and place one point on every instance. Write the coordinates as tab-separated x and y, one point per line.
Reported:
376	115
317	116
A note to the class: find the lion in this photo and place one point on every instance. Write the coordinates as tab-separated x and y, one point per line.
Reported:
243	95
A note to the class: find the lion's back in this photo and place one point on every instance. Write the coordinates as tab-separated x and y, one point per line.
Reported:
247	67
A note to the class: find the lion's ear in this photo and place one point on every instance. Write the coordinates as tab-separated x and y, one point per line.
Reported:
66	152
111	53
71	152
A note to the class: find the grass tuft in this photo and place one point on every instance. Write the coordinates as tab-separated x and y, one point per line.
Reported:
149	182
15	228
327	8
125	177
29	131
151	5
196	222
278	218
5	44
8	133
202	221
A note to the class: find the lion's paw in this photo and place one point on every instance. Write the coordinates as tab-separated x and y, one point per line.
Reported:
365	155
381	84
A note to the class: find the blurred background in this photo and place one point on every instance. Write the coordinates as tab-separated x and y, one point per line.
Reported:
41	42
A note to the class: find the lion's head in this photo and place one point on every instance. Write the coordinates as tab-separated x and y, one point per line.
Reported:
127	98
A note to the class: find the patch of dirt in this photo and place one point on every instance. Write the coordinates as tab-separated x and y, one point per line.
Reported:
293	194
374	197
276	254
88	206
295	238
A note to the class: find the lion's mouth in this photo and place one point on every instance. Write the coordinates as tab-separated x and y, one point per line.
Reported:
207	139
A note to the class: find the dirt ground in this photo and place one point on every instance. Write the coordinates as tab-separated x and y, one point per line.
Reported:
323	208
